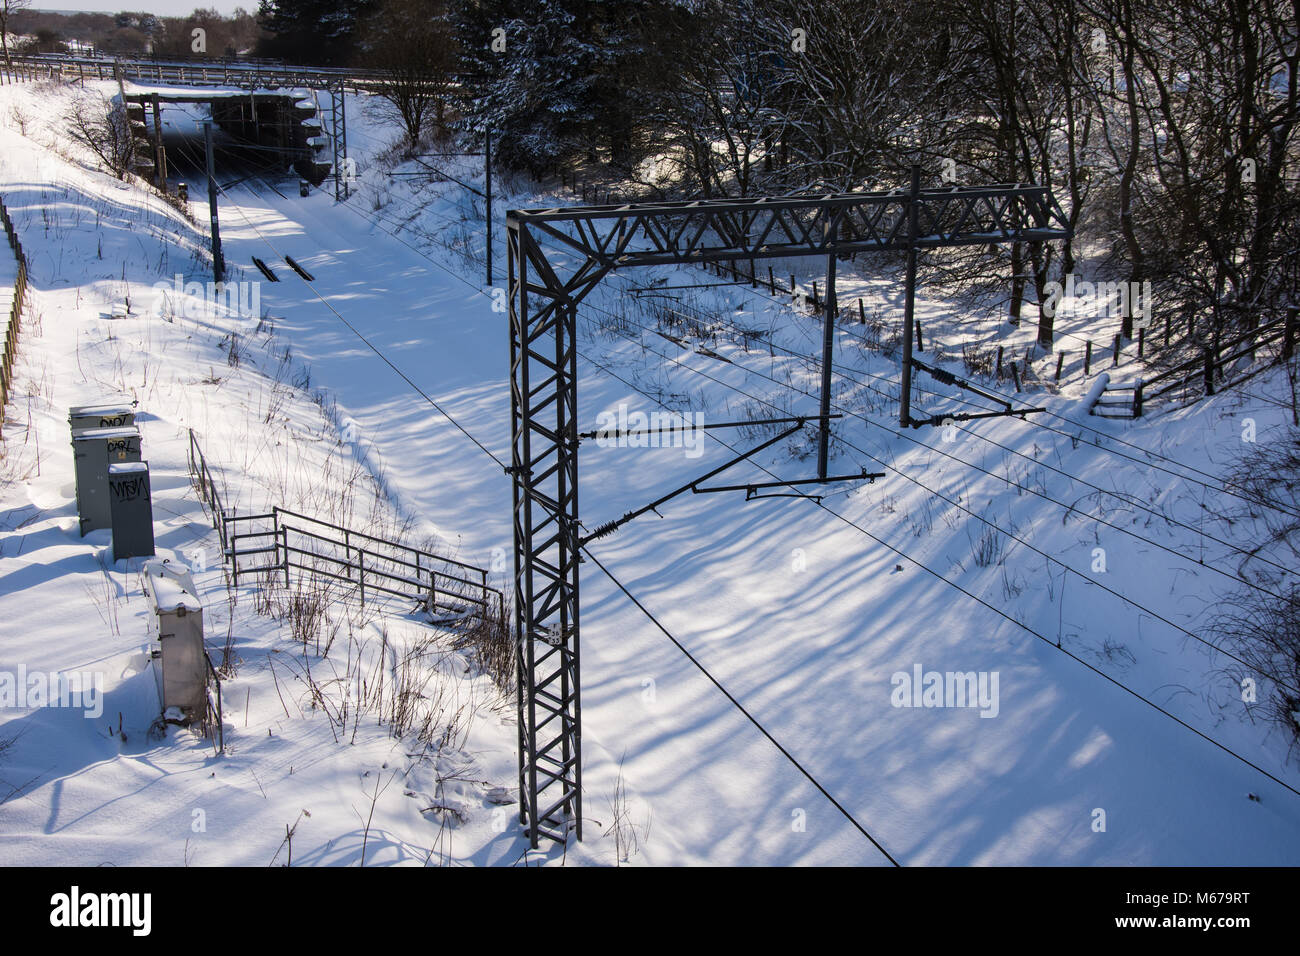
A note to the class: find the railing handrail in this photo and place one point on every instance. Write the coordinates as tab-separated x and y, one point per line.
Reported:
226	524
372	572
386	541
383	557
417	580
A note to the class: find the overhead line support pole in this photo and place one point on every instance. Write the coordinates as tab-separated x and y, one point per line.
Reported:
543	295
828	345
218	261
909	306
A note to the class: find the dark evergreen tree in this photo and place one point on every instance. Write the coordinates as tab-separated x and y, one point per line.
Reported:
320	32
571	81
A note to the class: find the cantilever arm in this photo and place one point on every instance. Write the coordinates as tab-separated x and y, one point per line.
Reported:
611	526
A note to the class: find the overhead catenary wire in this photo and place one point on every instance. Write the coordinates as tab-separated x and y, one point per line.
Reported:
1009	481
1091	580
1248	554
981	518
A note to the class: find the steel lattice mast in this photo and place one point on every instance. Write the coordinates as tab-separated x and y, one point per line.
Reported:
547	284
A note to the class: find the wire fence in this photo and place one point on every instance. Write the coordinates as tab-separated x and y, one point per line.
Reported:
15	313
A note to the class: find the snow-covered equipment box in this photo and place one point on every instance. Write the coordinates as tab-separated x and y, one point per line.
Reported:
131	509
93	450
178	617
106	415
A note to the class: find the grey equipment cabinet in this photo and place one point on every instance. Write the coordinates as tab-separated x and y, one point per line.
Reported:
93	450
131	509
178	616
104	415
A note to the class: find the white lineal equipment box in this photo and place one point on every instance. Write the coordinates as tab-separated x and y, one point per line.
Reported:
178	617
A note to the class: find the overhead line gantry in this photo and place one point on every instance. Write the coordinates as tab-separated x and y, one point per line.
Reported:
556	257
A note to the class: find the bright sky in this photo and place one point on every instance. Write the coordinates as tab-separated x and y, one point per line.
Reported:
171	8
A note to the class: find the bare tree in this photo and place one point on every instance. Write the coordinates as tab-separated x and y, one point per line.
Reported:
102	126
7	9
412	41
715	116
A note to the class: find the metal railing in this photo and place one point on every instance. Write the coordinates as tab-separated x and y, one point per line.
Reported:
201	478
219	716
15	312
281	541
184	71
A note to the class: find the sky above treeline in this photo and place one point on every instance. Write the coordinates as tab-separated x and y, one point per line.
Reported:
169	8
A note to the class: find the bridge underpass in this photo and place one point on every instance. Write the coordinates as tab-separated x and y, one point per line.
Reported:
263	130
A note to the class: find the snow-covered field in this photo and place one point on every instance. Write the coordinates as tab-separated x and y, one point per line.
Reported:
1045	555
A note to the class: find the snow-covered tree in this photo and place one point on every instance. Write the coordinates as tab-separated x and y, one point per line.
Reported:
554	79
